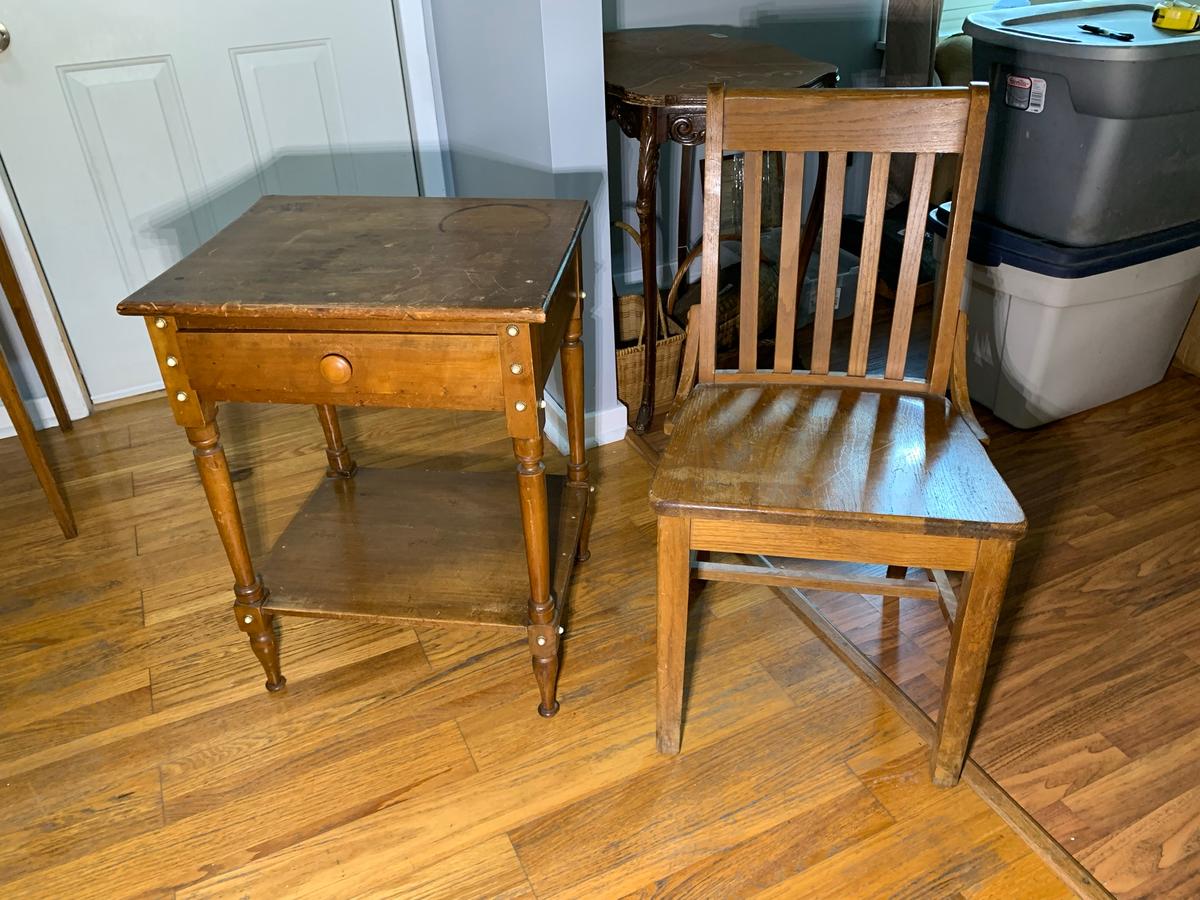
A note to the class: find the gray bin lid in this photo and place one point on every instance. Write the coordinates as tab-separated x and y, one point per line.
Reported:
1053	29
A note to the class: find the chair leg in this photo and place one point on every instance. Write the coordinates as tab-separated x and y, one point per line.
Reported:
895	572
971	642
11	400
674	538
11	288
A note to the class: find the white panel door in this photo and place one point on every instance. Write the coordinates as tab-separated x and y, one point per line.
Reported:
133	131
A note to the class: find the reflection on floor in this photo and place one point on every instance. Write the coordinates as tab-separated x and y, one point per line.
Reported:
1092	715
140	755
1089	738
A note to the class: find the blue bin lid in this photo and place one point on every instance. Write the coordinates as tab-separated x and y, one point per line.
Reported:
992	244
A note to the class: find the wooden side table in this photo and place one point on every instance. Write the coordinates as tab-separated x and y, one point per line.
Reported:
403	302
656	82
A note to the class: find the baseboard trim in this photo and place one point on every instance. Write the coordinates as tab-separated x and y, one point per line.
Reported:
601	426
40	411
148	388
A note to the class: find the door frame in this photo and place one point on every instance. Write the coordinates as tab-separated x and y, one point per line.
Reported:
427	125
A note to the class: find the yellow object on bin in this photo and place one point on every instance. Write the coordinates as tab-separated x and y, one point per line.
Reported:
1176	17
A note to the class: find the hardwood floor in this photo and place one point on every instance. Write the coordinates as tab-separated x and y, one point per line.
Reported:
1091	718
140	755
1089	733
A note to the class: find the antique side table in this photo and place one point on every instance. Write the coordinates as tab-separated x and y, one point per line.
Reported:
402	302
656	81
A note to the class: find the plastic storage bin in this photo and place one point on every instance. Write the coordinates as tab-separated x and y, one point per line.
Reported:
1090	139
1056	330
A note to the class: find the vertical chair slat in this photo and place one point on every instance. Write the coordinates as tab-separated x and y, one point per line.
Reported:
831	233
868	266
910	265
949	293
709	266
751	233
789	260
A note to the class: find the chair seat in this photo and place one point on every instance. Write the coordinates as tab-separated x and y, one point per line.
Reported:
847	457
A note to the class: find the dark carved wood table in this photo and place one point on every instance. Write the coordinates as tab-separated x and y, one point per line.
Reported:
400	302
656	80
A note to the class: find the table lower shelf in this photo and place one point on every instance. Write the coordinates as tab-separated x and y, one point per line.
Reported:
410	545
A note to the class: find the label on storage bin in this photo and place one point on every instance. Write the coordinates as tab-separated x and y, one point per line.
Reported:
1025	93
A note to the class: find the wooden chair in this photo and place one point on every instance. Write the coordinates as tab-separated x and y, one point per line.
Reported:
10	399
850	465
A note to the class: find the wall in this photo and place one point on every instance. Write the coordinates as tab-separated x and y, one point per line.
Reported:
494	97
11	344
19	361
421	88
522	94
843	32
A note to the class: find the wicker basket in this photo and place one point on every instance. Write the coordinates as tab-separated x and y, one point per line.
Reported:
631	361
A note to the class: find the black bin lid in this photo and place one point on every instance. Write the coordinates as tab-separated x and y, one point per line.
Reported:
992	244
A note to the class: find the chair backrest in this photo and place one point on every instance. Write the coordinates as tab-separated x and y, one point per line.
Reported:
878	124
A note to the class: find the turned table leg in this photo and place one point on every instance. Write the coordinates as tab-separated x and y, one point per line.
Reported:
971	642
683	228
535	522
340	463
248	589
572	372
646	201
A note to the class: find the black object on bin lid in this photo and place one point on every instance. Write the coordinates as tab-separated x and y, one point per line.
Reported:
1054	29
993	244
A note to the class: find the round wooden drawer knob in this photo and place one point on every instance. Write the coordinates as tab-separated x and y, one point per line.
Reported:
336	369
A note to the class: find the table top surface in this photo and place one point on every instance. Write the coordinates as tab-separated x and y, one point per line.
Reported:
675	66
405	258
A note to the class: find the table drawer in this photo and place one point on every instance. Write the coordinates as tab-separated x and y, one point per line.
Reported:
433	371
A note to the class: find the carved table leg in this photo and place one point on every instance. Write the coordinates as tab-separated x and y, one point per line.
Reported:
981	595
248	589
572	372
812	225
646	199
340	463
687	174
543	615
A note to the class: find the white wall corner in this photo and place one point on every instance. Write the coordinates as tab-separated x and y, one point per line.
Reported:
422	84
573	58
601	426
40	412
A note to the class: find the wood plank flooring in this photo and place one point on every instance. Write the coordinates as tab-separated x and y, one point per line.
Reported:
140	756
1091	719
1089	736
